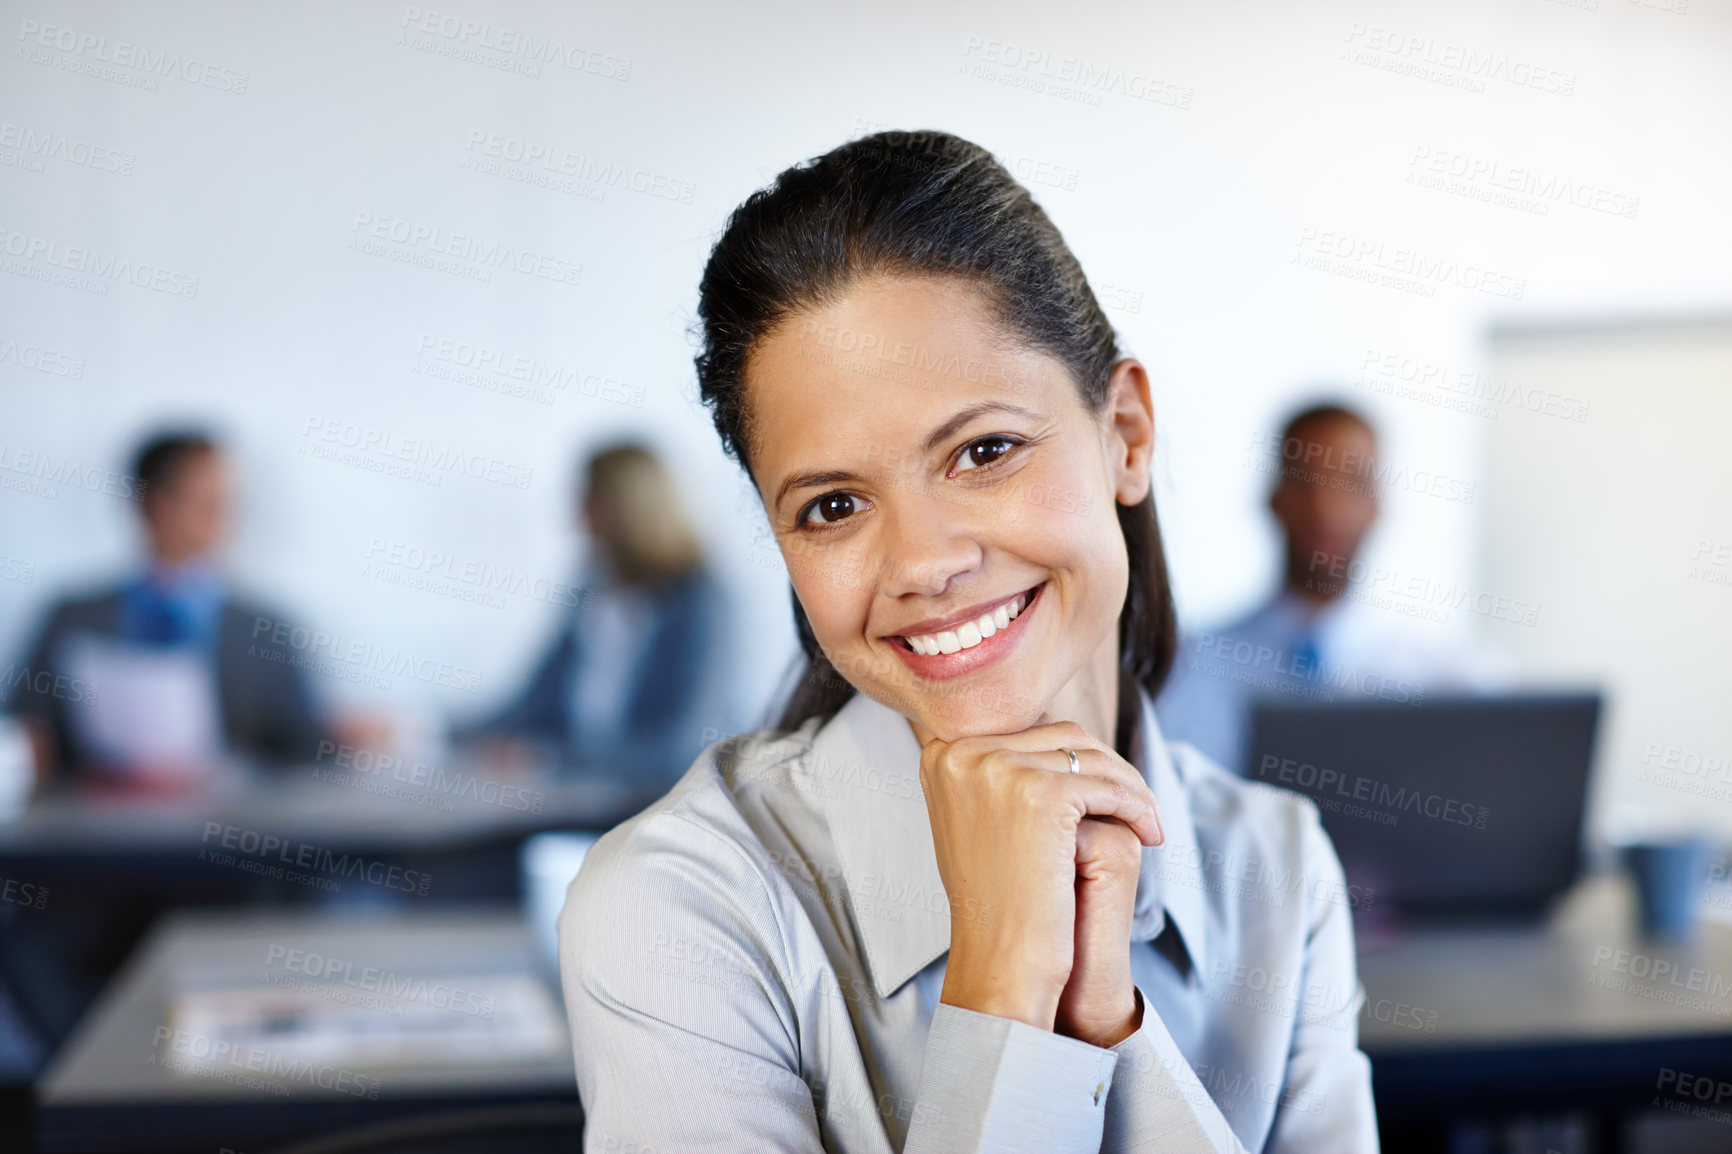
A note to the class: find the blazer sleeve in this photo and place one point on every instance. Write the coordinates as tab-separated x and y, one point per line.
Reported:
270	708
539	709
37	692
26	693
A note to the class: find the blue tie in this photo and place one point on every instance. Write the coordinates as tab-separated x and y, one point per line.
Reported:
160	620
1306	657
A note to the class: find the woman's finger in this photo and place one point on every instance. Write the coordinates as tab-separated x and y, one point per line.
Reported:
1047	742
1095	795
1100	763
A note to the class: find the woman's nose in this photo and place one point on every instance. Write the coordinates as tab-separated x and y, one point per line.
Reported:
926	548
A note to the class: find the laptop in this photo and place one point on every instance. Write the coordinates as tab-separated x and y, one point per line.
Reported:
1466	806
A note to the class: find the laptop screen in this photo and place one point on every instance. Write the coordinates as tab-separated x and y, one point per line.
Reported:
1453	806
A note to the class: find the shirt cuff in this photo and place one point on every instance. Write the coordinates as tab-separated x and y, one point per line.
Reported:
996	1084
1157	1102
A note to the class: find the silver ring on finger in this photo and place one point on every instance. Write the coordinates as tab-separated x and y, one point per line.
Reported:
1075	765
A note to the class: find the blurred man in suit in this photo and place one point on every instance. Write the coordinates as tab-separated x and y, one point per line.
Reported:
152	683
638	677
1315	638
151	686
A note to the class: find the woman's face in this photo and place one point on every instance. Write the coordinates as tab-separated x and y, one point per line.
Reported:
946	504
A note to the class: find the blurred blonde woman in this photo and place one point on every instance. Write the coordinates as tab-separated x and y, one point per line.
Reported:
636	680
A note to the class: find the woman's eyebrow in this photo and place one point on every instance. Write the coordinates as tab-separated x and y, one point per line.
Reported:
943	432
803	480
962	416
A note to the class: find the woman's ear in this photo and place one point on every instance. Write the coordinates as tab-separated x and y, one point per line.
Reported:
1130	431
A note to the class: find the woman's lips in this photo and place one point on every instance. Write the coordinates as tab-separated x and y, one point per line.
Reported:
941	666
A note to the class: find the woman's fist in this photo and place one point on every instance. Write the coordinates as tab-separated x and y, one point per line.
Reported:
1006	813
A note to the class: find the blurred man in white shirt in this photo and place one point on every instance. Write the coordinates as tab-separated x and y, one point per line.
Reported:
1319	637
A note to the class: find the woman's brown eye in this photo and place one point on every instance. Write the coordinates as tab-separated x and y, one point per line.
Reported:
830	507
983	452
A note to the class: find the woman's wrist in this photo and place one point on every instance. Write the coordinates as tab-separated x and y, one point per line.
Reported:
1108	1032
998	993
1036	1012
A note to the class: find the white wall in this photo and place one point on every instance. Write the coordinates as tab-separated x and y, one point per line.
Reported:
1194	155
1619	530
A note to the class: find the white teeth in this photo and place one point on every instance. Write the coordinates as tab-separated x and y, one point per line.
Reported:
969	633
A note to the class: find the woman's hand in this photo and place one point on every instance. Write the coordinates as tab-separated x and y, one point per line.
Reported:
1099	1004
1005	812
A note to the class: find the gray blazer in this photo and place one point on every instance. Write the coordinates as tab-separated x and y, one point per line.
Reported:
680	697
268	711
755	962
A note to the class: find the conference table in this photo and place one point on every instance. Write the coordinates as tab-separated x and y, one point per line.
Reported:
98	869
1577	1013
287	818
246	1029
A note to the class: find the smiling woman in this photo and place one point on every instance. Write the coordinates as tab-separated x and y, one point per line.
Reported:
954	524
1045	946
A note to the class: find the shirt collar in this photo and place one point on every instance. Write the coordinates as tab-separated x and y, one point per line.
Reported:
864	772
1295	614
197	578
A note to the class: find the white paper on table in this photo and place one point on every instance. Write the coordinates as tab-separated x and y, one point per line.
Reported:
144	705
385	1019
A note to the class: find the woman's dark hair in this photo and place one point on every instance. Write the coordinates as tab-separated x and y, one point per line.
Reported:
925	204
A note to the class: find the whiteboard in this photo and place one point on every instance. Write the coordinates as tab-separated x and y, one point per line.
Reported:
1609	506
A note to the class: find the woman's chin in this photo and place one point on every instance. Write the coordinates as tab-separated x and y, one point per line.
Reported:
951	720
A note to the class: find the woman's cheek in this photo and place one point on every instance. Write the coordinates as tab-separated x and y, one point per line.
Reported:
828	579
1053	525
835	601
1078	531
